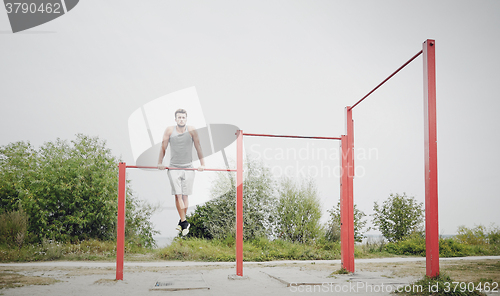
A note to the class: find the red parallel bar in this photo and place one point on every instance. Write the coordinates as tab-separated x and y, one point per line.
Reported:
187	169
431	175
239	203
399	69
120	235
296	137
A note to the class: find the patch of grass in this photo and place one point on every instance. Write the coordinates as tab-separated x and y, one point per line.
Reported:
51	250
449	247
340	271
473	271
14	280
441	285
258	250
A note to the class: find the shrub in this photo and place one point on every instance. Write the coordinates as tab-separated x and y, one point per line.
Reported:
68	189
478	235
398	217
451	248
414	245
333	226
13	228
474	236
494	235
139	230
299	212
216	218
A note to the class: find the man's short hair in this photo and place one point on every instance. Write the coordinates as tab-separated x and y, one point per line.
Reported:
180	111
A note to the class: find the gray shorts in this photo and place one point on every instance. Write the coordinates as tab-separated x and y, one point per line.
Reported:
181	181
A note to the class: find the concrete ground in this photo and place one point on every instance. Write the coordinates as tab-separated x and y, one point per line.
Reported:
210	278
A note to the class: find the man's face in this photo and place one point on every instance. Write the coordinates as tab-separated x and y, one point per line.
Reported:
181	119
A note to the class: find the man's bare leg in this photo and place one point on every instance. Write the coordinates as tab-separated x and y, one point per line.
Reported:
181	203
186	204
181	207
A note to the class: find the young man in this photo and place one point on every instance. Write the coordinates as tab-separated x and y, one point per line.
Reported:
181	138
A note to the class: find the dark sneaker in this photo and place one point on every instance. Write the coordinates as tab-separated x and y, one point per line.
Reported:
178	227
185	227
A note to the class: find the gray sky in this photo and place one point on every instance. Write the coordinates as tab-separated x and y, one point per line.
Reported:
284	67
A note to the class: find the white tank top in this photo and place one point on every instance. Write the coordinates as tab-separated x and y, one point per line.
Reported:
181	149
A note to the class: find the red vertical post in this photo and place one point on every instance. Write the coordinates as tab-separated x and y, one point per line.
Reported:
430	146
344	206
239	203
350	189
120	235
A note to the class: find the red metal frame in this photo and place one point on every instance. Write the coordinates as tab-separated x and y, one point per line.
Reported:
347	164
390	76
185	169
293	137
346	199
120	228
431	177
239	203
239	191
431	182
344	207
120	235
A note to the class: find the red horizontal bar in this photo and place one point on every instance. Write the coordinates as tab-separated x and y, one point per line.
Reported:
296	137
172	168
404	65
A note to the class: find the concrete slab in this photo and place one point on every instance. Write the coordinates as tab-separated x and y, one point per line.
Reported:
362	283
180	282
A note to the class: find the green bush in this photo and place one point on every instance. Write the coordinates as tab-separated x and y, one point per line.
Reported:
216	218
68	190
398	217
451	248
333	226
472	236
13	228
479	235
414	245
494	235
299	211
196	221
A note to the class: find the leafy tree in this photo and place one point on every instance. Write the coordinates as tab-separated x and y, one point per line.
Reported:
333	226
398	217
68	189
298	211
216	218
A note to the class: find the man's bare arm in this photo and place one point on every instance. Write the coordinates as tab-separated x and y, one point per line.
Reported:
197	146
164	145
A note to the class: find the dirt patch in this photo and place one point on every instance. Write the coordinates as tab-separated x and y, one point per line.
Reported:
14	280
107	282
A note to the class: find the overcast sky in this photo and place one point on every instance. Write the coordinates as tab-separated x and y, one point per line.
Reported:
284	67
